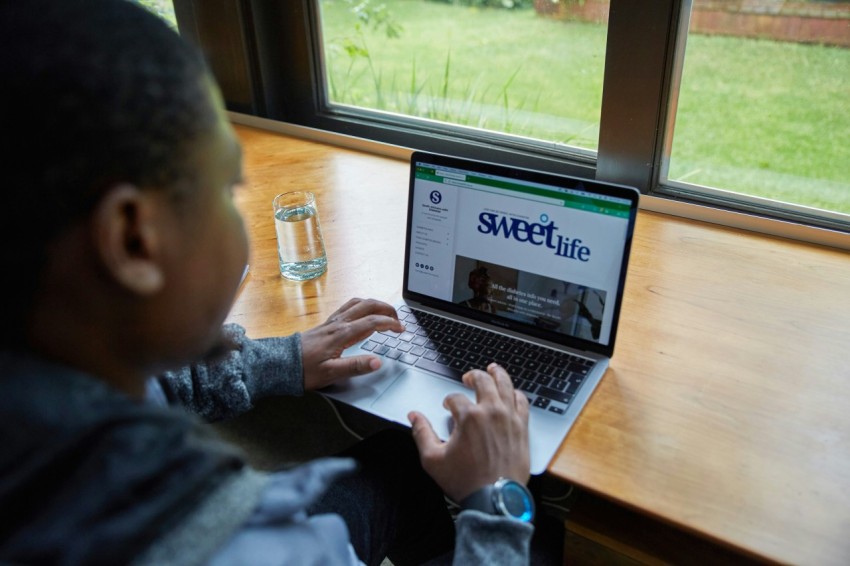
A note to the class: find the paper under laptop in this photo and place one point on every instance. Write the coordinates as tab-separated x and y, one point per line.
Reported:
535	257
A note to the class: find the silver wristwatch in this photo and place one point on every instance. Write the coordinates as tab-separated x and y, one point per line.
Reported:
506	497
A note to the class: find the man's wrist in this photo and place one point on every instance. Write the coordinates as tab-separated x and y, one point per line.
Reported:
505	497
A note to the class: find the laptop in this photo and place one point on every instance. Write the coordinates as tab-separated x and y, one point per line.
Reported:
502	264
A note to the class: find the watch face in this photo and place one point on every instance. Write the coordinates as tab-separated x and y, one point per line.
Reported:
516	501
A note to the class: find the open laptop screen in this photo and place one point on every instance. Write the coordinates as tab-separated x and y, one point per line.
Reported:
542	254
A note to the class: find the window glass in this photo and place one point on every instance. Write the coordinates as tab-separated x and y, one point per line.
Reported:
162	8
503	66
763	108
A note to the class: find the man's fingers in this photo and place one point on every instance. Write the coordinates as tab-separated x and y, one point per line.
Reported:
355	309
357	323
348	304
457	404
483	384
341	368
427	441
361	328
521	402
502	380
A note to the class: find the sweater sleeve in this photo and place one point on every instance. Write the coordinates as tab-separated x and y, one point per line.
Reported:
248	371
488	539
281	531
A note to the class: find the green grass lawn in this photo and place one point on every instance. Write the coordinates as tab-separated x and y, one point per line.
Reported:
758	117
479	67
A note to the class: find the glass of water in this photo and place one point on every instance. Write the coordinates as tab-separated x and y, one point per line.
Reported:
300	246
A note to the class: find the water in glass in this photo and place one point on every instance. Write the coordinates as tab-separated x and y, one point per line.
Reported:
301	251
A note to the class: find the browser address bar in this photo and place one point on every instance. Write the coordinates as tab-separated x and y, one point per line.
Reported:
486	189
450	175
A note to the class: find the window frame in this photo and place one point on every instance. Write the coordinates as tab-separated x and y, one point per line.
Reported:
278	78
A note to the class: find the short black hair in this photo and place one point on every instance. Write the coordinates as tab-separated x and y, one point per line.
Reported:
92	93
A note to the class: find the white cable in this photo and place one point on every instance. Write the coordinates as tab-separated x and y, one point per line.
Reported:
339	418
559	497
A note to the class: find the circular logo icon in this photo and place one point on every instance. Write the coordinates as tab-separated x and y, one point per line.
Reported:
544	218
436	197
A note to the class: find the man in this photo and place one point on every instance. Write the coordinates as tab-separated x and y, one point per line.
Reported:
124	252
482	290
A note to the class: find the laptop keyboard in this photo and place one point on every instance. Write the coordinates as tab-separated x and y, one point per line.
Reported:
549	378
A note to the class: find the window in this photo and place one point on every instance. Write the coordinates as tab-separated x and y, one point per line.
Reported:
504	70
763	113
642	93
162	8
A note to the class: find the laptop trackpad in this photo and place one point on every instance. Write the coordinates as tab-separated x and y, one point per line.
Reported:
424	393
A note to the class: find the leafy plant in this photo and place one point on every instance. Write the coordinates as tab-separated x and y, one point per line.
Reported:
368	16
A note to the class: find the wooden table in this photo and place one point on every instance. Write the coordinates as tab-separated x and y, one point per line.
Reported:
726	410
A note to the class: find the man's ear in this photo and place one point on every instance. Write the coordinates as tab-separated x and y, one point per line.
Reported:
128	240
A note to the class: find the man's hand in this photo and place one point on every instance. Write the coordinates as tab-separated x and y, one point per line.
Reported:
489	439
321	347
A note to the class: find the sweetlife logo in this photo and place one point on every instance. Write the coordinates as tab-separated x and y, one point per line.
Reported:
436	197
535	233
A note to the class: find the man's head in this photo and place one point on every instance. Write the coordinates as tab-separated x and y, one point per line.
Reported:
479	281
118	166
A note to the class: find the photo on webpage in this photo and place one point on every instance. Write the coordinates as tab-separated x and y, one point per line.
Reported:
551	304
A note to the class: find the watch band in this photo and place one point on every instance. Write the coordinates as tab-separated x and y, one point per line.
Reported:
481	500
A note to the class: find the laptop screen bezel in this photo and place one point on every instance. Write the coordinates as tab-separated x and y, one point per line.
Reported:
630	194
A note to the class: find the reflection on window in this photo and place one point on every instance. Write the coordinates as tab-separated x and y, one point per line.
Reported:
498	65
764	104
